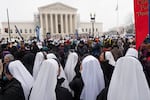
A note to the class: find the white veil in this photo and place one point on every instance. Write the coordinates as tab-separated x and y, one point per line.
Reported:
93	78
18	70
65	84
128	80
45	84
70	66
39	58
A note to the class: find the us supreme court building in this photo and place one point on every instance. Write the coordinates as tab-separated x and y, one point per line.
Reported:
58	19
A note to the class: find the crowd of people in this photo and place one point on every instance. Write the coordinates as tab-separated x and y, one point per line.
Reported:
75	69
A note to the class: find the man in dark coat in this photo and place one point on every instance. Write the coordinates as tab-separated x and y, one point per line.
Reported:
82	49
34	48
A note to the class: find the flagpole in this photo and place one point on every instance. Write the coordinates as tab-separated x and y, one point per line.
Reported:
8	24
19	33
117	20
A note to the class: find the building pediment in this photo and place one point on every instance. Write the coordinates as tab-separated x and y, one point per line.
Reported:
57	7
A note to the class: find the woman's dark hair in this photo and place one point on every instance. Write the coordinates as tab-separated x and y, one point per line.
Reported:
45	55
104	56
59	64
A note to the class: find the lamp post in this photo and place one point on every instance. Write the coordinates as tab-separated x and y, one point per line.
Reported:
92	21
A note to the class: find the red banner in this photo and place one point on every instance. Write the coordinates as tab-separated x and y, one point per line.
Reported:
141	20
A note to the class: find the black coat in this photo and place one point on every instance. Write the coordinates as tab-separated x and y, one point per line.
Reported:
61	92
107	70
147	77
28	61
103	94
11	91
77	85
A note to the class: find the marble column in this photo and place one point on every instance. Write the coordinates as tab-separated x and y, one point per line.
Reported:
51	23
46	22
70	23
41	21
62	27
56	23
66	23
75	22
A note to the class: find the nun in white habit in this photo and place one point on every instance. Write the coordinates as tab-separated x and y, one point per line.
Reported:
93	78
51	56
128	80
65	84
39	58
18	70
70	66
45	84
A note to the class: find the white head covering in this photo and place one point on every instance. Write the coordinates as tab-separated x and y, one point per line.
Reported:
51	55
45	84
18	70
128	80
93	78
70	66
65	84
110	58
37	64
132	52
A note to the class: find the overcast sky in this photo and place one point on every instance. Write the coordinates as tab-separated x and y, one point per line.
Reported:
23	10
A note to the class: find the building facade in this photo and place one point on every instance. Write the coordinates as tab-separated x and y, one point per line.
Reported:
26	29
56	19
86	28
